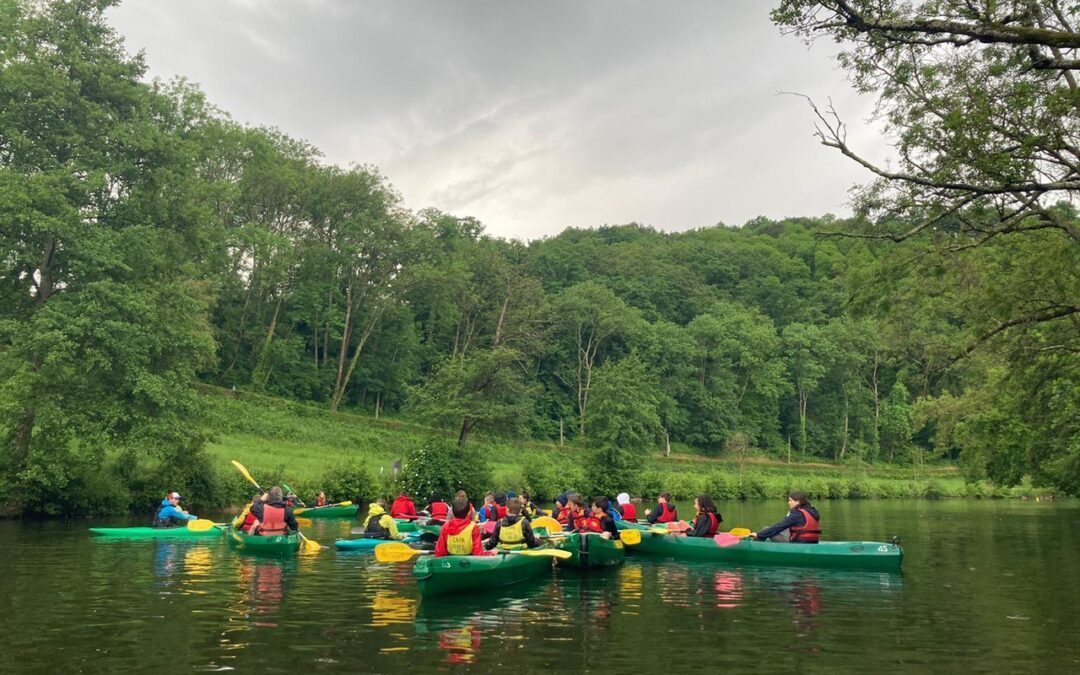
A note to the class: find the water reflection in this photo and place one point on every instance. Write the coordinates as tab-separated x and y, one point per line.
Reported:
390	607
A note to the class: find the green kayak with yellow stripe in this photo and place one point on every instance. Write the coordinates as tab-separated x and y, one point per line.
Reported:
274	545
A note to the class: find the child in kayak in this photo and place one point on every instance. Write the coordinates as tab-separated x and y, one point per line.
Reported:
403	507
800	526
528	509
379	524
438	510
599	520
629	511
513	532
562	509
707	521
578	515
490	510
320	500
664	512
460	535
461	494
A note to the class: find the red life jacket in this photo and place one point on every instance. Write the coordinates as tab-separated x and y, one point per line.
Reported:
273	521
249	520
667	514
439	510
320	501
629	512
580	522
589	524
563	514
805	534
714	523
491	512
501	510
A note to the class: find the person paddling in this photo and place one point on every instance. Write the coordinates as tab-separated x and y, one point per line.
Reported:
802	525
403	507
708	519
664	512
460	535
438	510
629	511
379	524
273	517
169	513
513	532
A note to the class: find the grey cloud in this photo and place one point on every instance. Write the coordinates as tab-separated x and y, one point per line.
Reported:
529	116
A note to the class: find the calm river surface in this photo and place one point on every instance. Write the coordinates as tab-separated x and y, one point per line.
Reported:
986	587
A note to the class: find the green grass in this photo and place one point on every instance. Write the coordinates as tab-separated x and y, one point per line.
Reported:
303	441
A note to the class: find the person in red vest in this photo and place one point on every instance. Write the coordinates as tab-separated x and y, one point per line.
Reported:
598	519
707	521
500	504
249	516
321	499
802	524
460	535
438	510
628	509
664	511
562	508
273	517
490	510
403	507
578	514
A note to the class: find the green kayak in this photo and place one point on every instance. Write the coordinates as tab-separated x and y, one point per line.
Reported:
155	532
279	544
327	511
591	551
460	573
869	555
404	526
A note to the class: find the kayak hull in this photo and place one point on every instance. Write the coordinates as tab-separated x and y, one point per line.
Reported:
591	551
459	574
365	544
865	555
155	533
327	511
277	545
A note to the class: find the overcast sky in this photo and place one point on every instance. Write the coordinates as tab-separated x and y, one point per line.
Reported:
531	116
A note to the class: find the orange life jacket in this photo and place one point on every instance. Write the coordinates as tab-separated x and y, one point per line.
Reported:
563	514
805	534
589	524
273	521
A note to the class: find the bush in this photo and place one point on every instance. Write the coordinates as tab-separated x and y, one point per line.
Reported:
719	487
442	466
351	482
933	490
611	471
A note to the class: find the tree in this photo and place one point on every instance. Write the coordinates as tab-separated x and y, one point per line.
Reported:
895	428
981	100
103	321
625	423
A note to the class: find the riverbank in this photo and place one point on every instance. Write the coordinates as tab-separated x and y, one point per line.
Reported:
303	443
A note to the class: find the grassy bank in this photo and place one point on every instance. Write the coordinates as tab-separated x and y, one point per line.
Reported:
305	444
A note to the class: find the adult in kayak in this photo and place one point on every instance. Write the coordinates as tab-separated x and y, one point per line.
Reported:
802	524
320	500
629	511
380	524
438	510
513	532
708	519
403	506
664	512
460	535
598	519
169	513
273	517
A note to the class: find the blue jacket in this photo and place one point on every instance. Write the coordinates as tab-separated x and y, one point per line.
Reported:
793	518
167	510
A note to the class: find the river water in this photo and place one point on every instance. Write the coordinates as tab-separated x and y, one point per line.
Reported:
986	587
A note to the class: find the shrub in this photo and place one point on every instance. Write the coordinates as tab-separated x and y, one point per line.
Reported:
442	466
351	482
933	490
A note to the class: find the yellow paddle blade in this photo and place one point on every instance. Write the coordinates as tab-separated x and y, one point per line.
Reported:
658	530
630	537
395	552
541	552
740	532
241	469
200	525
345	503
309	545
548	523
306	522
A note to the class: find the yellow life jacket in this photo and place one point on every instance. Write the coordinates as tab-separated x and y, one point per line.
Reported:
512	537
462	542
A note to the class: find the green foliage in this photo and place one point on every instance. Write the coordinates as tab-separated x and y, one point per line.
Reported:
443	467
350	481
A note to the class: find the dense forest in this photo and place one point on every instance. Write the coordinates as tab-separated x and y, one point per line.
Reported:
148	242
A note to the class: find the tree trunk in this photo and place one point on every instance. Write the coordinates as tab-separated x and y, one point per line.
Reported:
843	446
502	318
340	392
378	403
467	425
345	338
260	374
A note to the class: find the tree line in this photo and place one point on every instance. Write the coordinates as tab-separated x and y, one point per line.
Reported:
150	242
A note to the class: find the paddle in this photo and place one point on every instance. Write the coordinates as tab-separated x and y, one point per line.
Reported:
630	537
309	545
399	552
289	490
724	539
201	525
740	532
548	523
